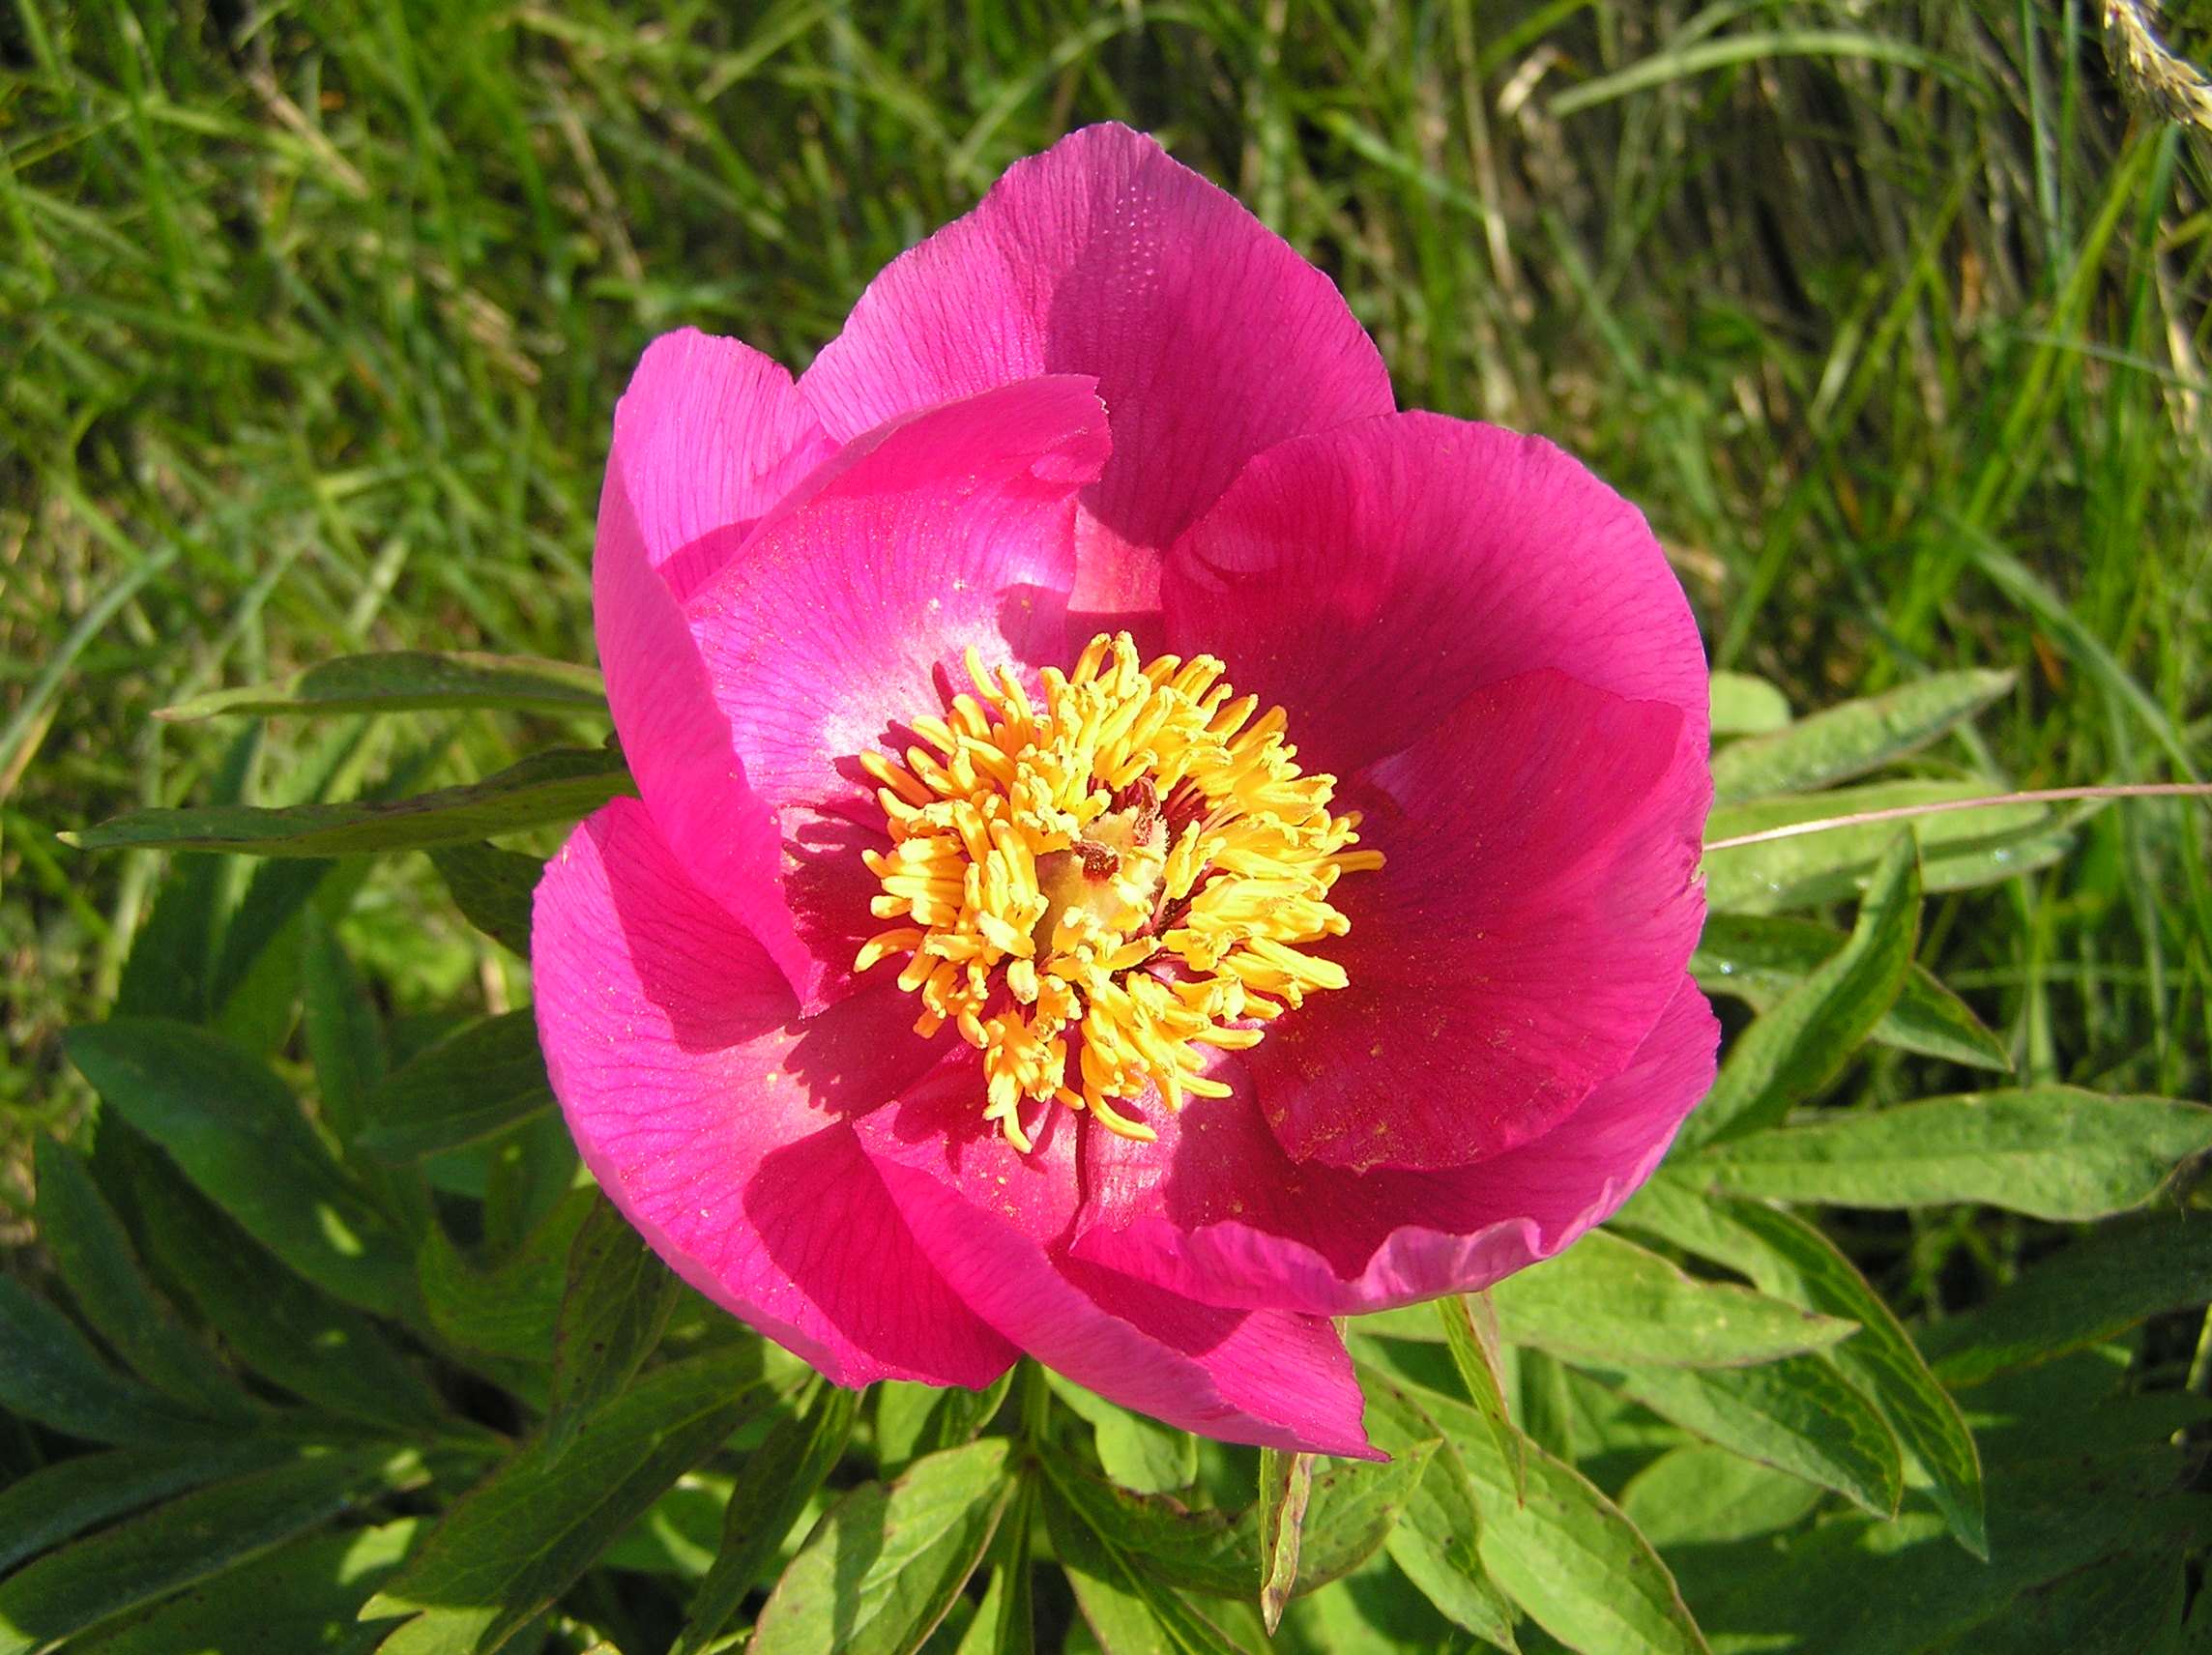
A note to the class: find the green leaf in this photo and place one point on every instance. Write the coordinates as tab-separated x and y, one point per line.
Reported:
1791	1052
49	1374
1747	705
410	680
239	1135
1959	848
1005	1623
69	1496
1136	1451
1607	1299
2089	1292
2051	1151
1799	1415
1758	960
93	1255
1698	1494
779	1478
1853	1586
1191	1551
174	953
511	1312
522	1536
1352	1508
1791	1258
614	1307
1470	1324
253	941
1853	739
884	1563
493	888
1124	1598
1560	1548
475	1082
188	1539
303	1596
340	1025
2112	1607
560	784
1286	1486
1433	1544
280	1325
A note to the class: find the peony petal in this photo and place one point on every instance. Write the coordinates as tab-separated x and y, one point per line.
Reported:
1210	338
677	741
722	1127
993	1220
849	614
1215	1210
1370	579
709	435
1537	903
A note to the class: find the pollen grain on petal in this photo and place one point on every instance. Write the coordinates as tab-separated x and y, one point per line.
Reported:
1099	891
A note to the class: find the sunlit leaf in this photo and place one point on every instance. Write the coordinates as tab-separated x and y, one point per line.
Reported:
1959	848
1758	960
1850	741
1607	1298
1136	1451
2050	1152
1791	1052
1563	1550
1799	1415
884	1563
1746	705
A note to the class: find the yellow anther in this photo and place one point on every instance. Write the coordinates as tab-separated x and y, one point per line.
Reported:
1102	888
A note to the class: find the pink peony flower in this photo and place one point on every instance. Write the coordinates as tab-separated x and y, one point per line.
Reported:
985	968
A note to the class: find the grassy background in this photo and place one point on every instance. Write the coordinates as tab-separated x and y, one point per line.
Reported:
1892	318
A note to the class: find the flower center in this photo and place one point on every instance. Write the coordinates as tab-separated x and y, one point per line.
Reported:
1128	872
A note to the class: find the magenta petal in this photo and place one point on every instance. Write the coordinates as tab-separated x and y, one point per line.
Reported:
1537	903
990	1219
709	435
1218	1211
721	1126
1210	337
1369	579
848	614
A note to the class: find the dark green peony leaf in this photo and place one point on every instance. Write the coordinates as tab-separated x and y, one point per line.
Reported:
239	1135
493	888
410	680
615	1303
561	784
191	1538
476	1082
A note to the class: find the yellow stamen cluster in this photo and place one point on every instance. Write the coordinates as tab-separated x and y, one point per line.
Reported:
1131	868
